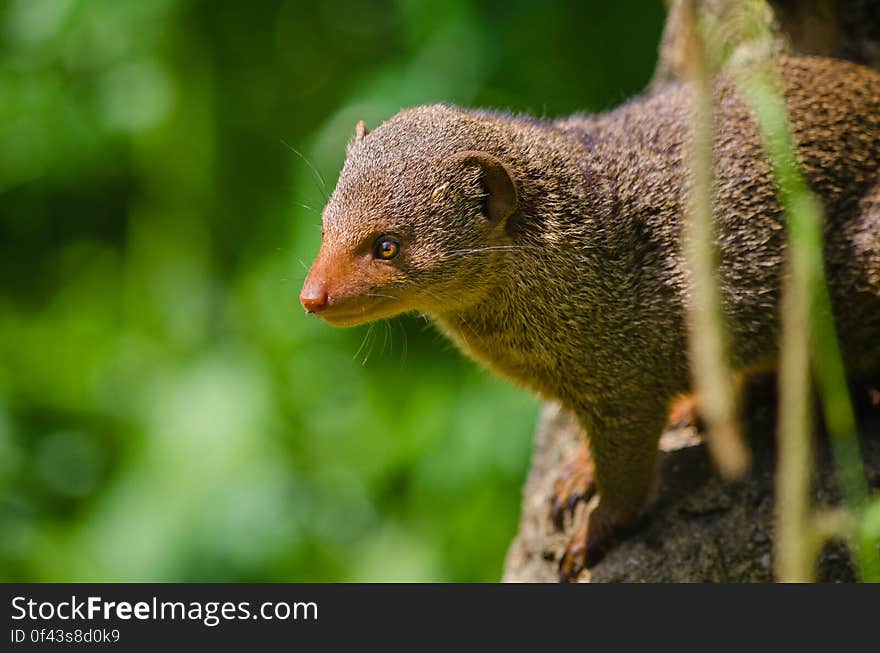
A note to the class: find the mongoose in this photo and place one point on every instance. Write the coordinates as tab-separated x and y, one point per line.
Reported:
551	251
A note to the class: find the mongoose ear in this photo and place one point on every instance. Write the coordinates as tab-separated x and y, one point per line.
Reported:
360	131
502	199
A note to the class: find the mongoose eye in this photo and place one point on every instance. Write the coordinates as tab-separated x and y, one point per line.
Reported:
386	248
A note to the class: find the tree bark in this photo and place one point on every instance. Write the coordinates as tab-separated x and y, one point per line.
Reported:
701	528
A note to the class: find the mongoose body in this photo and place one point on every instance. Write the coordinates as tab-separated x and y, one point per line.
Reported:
552	253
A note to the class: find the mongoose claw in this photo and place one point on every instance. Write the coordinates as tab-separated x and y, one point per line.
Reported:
574	484
587	546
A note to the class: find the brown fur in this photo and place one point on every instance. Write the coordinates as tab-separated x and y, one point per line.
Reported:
579	293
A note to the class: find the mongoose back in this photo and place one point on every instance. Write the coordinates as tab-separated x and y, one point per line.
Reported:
551	251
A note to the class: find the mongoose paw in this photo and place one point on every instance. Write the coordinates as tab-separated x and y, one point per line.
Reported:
588	545
574	484
686	412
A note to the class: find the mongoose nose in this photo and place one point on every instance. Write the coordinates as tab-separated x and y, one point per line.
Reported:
313	297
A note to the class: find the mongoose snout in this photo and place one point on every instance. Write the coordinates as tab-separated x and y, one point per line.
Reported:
346	289
313	297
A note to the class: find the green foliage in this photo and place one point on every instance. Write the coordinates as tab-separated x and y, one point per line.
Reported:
167	412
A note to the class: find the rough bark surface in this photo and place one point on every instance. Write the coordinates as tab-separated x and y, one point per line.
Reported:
701	528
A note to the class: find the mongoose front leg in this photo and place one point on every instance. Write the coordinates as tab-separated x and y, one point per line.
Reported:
576	480
623	443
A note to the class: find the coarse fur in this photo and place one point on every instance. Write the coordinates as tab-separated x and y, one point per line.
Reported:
577	287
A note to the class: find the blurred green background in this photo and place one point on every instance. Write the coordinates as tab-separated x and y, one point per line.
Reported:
167	411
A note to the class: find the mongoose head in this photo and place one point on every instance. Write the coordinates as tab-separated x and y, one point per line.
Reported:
417	219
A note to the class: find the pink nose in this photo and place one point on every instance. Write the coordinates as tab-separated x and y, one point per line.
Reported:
313	297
